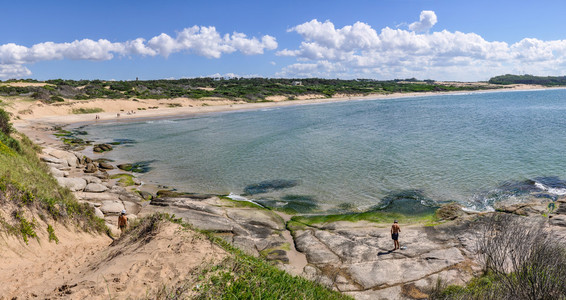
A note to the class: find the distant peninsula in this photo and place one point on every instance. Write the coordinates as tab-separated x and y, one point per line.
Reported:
547	81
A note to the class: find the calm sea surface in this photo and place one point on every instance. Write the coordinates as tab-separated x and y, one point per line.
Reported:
469	148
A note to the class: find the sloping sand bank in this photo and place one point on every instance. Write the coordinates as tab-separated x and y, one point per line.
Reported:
85	266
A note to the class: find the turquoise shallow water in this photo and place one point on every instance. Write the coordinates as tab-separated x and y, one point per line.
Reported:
471	148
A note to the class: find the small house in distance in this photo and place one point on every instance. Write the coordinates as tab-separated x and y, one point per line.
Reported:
296	83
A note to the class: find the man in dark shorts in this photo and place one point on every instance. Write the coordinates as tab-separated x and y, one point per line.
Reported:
122	222
395	229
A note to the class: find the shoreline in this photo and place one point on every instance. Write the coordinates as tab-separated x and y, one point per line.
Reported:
60	116
40	129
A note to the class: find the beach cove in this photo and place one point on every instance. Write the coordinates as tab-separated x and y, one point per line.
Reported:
455	147
352	257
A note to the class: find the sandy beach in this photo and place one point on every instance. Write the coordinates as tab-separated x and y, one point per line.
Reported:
28	111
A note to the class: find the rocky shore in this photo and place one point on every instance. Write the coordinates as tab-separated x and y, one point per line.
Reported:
352	257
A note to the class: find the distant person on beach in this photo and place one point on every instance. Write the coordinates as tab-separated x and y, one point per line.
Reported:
395	229
122	221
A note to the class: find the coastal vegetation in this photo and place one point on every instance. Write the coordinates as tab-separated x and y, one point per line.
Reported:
28	191
529	79
246	89
521	260
87	110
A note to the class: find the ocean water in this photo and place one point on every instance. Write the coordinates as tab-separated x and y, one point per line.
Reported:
472	148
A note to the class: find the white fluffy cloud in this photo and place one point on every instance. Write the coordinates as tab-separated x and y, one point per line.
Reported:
198	40
427	20
13	71
361	51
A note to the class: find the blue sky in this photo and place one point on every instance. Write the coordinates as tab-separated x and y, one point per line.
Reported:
380	39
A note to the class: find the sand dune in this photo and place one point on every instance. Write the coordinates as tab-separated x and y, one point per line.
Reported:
85	266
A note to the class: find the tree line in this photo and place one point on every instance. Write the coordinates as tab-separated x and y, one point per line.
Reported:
529	79
247	89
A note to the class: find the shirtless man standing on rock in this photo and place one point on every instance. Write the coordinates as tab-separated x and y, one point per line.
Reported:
395	229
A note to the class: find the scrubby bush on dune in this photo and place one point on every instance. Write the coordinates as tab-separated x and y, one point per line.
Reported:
521	260
5	125
27	190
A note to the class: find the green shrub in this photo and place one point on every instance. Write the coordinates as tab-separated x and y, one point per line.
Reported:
56	99
52	236
25	227
87	110
5	125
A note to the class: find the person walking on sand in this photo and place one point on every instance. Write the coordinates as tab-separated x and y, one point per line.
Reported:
395	229
122	221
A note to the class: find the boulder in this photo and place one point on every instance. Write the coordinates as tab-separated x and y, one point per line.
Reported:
92	179
125	167
98	213
58	173
112	207
63	166
74	184
131	207
105	165
145	195
102	148
102	175
130	197
50	159
95	188
90	168
118	190
558	220
450	211
69	157
97	196
80	157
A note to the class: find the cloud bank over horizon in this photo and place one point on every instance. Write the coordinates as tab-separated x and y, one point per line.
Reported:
359	51
196	40
323	50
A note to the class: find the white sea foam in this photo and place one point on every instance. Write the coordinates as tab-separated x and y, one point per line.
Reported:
236	197
160	122
554	191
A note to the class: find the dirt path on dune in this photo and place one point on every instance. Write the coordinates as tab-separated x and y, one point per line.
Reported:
90	266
